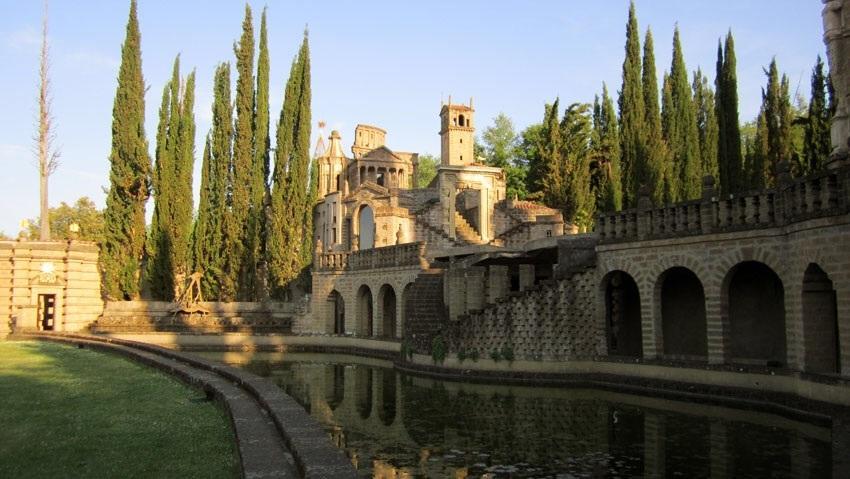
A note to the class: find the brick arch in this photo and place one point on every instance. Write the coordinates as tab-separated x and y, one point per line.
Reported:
623	313
365	302
387	311
679	314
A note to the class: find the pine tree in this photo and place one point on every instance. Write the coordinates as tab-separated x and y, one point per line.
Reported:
289	193
704	103
129	177
730	166
608	186
817	143
656	150
681	134
215	177
235	283
776	105
260	169
632	112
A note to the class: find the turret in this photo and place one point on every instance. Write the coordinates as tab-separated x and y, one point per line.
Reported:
457	134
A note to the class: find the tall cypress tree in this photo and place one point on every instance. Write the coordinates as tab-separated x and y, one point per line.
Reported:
776	105
656	149
181	224
129	177
312	197
551	164
682	135
213	210
289	192
576	131
609	195
235	283
631	112
730	164
704	103
817	143
671	178
260	169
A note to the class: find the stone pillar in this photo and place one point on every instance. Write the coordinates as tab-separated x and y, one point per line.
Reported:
499	283
526	276
836	36
475	288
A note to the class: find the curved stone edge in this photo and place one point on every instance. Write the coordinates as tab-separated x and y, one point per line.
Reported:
314	454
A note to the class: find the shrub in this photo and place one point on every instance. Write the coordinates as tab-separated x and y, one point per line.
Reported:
438	349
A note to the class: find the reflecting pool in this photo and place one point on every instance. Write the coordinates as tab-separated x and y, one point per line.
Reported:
394	425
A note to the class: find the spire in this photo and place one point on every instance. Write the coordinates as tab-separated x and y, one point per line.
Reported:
335	148
320	143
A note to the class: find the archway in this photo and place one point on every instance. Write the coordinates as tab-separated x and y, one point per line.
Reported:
755	300
387	300
364	311
683	314
622	315
820	322
337	308
366	227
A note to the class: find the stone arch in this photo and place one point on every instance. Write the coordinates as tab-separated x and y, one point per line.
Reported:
365	311
754	304
680	299
820	322
388	311
336	307
622	314
363	225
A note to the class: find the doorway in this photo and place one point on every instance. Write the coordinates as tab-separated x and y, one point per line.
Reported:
46	312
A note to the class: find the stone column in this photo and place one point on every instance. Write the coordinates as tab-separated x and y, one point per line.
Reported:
526	276
836	36
499	283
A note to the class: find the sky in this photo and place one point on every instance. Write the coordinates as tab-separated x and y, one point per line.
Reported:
384	63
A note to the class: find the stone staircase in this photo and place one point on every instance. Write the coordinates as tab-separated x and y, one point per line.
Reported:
425	310
465	231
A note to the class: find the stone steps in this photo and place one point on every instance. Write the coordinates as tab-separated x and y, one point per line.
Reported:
465	231
425	310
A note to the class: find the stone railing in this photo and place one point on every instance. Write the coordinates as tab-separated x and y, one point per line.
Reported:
408	254
818	195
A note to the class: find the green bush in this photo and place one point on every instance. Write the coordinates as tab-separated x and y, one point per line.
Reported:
496	355
461	355
508	353
438	349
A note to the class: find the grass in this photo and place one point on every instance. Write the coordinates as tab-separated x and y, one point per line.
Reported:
68	412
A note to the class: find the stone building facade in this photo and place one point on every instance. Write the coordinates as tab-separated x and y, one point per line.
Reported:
375	232
49	285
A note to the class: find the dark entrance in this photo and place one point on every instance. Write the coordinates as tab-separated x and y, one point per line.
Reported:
388	310
683	315
756	301
622	315
46	312
820	322
338	312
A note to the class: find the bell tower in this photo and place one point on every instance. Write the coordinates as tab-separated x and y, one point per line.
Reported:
457	134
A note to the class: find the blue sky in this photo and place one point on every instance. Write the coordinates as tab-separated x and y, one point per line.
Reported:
382	63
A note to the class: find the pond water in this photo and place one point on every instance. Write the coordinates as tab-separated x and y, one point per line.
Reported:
394	425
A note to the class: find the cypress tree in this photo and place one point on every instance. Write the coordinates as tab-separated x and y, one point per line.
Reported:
776	105
260	167
631	111
817	143
756	173
577	197
551	164
656	149
671	178
181	225
129	177
234	284
289	192
729	152
213	209
704	103
683	137
312	197
609	193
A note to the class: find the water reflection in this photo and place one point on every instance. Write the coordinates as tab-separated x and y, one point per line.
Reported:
397	426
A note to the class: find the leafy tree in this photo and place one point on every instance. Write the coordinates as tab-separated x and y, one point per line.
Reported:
426	170
704	103
632	112
817	125
500	145
83	213
289	192
236	282
212	208
656	158
129	177
681	130
605	168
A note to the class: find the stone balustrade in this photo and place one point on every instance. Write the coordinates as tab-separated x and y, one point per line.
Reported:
818	195
408	254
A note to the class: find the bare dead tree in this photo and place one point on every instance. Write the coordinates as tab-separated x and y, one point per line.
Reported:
48	156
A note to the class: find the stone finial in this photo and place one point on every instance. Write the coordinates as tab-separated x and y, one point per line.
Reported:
355	243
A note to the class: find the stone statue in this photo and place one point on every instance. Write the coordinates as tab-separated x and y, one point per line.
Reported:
836	36
399	236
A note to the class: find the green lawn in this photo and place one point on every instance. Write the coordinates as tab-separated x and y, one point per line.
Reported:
68	412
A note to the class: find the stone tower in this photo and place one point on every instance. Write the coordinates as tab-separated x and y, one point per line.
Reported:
457	134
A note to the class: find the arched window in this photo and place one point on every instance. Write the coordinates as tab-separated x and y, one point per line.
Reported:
460	120
366	222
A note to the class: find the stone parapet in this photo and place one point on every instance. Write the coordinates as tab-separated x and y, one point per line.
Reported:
408	254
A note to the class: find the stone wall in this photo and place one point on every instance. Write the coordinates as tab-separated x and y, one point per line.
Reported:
555	320
66	269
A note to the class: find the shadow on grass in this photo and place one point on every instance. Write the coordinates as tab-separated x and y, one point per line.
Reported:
69	412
